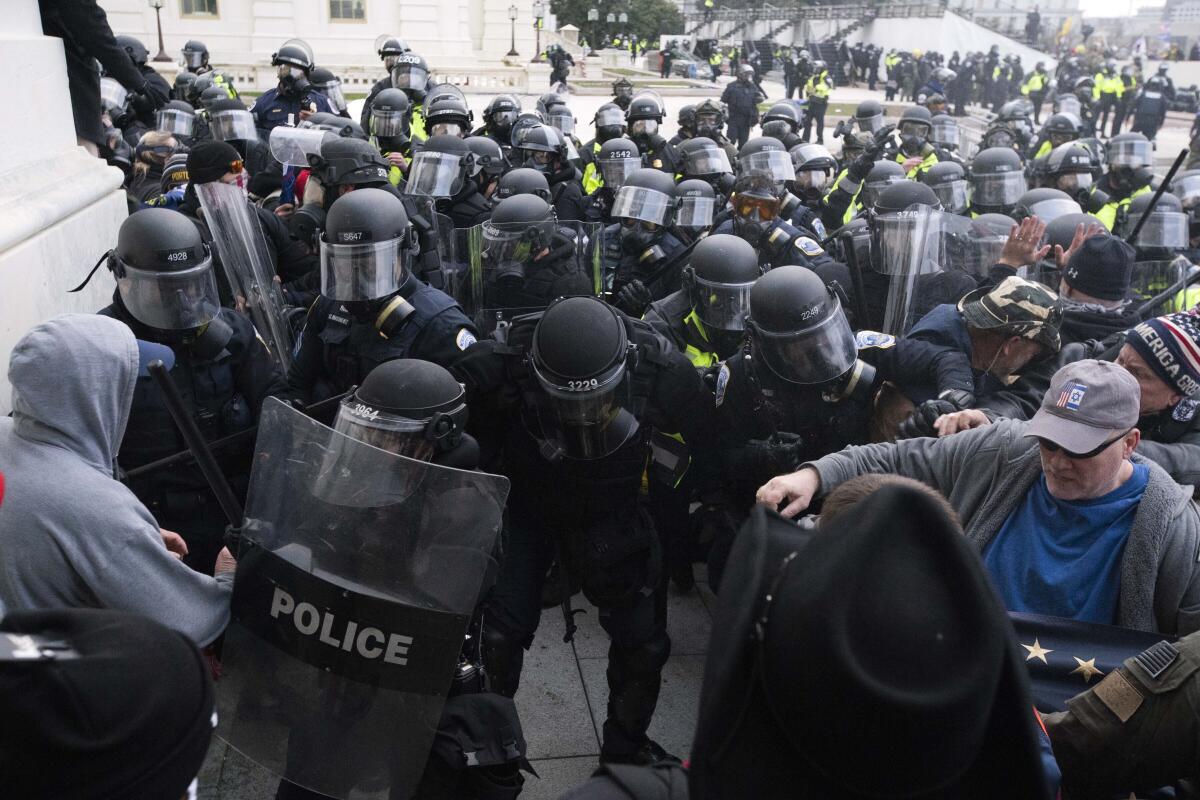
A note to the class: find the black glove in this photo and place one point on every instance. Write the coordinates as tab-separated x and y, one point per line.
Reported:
959	398
882	137
633	298
779	454
859	168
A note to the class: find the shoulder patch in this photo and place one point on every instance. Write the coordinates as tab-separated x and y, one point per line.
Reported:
809	246
722	383
874	339
464	339
1185	410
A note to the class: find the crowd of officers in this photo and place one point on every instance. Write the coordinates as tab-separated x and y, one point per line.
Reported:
646	329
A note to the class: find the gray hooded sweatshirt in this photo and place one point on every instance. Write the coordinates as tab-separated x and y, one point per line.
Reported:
70	535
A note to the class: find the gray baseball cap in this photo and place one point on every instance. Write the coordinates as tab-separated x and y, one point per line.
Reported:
1088	403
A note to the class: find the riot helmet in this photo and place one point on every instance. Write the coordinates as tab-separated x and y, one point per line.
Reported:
781	120
134	47
767	155
882	175
868	116
410	74
617	160
1069	168
814	167
334	123
755	201
718	278
293	53
179	89
406	406
905	194
944	131
448	116
211	95
1059	233
523	180
579	359
710	119
797	327
997	180
622	91
197	87
176	117
164	271
696	206
229	121
366	247
686	121
948	180
390	48
390	115
546	100
703	158
1131	150
609	122
542	148
520	228
524	122
440	168
348	162
916	124
644	115
500	114
1166	227
195	54
559	116
1063	127
489	157
1083	89
328	84
1186	186
644	206
1046	204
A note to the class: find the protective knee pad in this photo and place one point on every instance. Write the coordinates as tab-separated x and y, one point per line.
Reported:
650	656
503	656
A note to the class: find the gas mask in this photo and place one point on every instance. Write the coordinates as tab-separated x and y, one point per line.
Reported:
292	81
606	132
636	238
753	217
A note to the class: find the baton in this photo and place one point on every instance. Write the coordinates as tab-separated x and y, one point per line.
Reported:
1159	193
225	441
196	444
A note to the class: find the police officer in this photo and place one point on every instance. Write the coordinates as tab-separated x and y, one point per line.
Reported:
577	390
622	91
1060	128
606	174
609	123
144	103
167	293
639	247
696	208
1150	107
448	116
948	180
409	74
644	117
389	131
741	97
1108	89
801	204
528	261
372	309
560	65
1035	87
685	125
1130	160
910	146
1068	168
522	180
804	383
703	159
543	148
229	121
444	169
195	57
710	124
997	181
782	122
817	91
498	118
328	84
756	207
490	163
293	98
389	48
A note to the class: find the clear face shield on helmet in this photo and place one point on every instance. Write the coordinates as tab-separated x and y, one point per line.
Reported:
389	123
409	76
288	72
584	419
333	92
234	124
707	161
355	273
775	162
1074	183
1001	190
170	301
945	132
434	174
112	94
609	118
811	356
1134	154
446	129
1162	230
872	187
193	59
502	120
562	119
404	436
695	213
1187	189
507	248
175	121
1049	210
871	124
644	205
952	195
616	169
720	306
643	127
1068	104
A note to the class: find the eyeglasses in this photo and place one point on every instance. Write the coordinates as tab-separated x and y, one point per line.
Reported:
1054	448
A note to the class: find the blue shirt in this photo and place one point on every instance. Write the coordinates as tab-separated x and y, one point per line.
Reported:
1063	557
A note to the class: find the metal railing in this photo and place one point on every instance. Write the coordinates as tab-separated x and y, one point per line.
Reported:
878	10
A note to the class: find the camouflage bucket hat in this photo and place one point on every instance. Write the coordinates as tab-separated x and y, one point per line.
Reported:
1017	307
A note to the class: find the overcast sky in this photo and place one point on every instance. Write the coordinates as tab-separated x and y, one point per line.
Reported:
1112	8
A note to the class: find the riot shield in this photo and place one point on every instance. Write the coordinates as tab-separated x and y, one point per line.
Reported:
504	267
242	248
112	94
923	253
1155	278
357	575
292	146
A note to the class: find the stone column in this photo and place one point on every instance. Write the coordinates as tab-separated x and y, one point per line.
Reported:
59	207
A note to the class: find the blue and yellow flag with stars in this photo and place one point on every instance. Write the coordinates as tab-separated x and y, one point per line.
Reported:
1065	657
